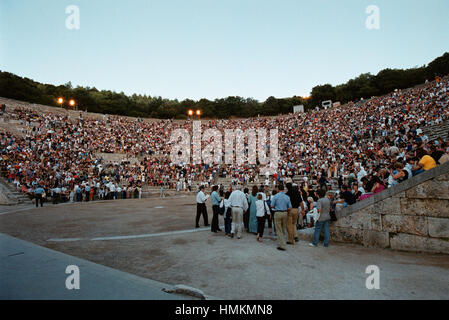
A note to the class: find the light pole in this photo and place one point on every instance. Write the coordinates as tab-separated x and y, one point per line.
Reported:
190	114
72	104
198	113
60	102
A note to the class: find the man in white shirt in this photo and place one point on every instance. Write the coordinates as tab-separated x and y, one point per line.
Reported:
360	174
112	189
201	199
56	195
239	204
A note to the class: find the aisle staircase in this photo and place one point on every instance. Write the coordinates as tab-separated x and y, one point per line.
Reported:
437	131
9	195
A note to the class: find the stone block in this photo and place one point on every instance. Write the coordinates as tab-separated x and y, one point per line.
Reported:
376	222
405	224
407	242
388	206
443	177
431	189
364	205
304	234
351	235
376	239
437	208
366	211
438	228
400	195
358	220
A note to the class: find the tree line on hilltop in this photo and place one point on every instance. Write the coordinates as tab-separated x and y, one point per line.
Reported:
104	101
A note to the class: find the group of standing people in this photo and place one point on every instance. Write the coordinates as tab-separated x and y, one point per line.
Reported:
283	209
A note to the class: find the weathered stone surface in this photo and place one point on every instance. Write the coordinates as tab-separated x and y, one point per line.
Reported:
357	220
366	211
377	239
358	206
405	224
352	235
400	195
4	200
438	228
415	243
425	207
413	216
432	189
388	206
376	222
305	234
443	177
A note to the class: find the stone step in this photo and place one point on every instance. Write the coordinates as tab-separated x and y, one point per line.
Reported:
437	131
12	194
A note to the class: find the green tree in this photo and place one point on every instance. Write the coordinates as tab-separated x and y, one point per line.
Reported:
323	93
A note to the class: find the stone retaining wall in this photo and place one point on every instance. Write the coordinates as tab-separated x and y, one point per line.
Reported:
412	216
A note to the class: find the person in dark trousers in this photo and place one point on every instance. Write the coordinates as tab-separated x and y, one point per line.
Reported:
323	220
323	181
262	211
38	195
201	207
246	213
215	208
281	204
227	214
87	192
56	194
271	214
296	213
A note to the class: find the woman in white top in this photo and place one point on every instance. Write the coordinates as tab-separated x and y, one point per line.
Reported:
262	210
313	212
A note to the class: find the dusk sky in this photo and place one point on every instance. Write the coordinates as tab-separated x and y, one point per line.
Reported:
217	48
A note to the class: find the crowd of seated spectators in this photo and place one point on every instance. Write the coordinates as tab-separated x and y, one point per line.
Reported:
366	146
